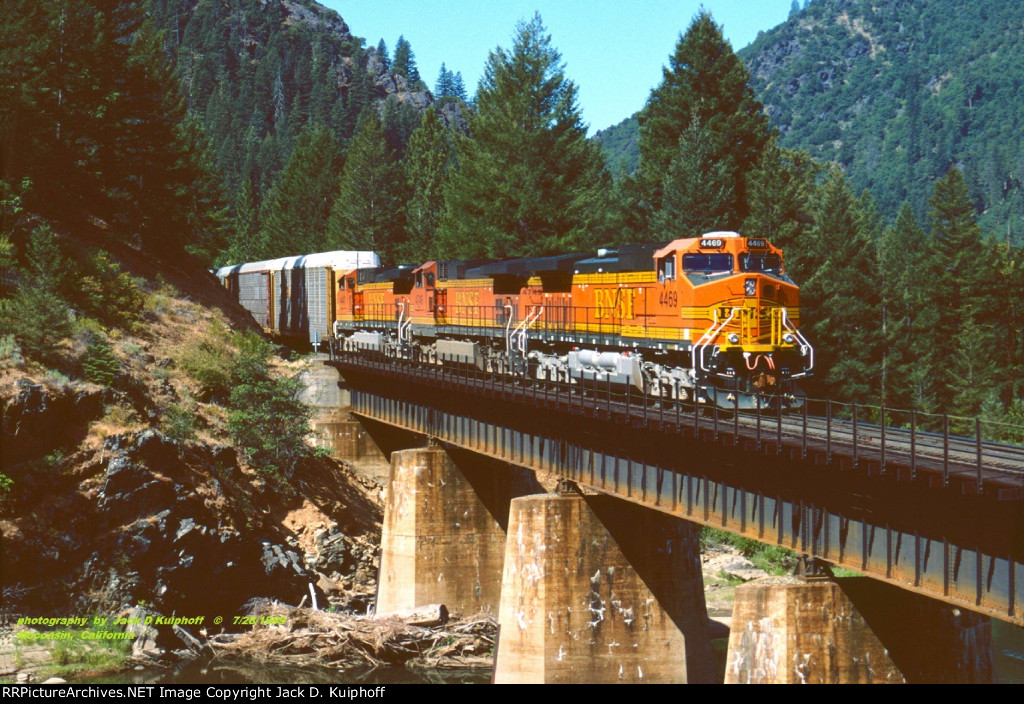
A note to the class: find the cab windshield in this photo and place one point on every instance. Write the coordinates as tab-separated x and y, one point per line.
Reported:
707	262
770	263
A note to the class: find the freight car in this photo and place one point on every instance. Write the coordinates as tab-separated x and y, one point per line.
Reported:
713	318
293	296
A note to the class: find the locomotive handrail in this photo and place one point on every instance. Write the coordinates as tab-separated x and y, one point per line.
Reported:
519	334
803	341
706	339
508	326
403	328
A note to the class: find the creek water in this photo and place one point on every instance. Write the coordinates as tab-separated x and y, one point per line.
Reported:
241	673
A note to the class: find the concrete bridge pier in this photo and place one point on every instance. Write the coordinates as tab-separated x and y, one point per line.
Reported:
349	442
443	539
852	630
334	427
599	590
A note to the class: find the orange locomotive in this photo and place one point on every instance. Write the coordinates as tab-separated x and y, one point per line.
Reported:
712	318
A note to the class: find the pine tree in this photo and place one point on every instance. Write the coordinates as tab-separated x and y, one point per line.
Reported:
697	190
399	120
839	302
705	82
902	258
779	192
459	87
426	165
296	210
528	181
368	213
405	61
244	240
444	88
98	126
382	52
37	315
967	321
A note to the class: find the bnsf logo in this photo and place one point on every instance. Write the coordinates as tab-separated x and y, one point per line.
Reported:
614	303
466	299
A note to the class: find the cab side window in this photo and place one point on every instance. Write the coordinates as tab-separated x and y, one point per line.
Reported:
667	268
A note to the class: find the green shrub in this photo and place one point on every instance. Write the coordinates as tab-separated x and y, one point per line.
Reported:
6	484
10	351
269	424
773	559
209	360
180	421
109	294
99	364
266	420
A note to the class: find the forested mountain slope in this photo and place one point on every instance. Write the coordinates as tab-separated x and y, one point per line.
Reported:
256	73
899	91
896	92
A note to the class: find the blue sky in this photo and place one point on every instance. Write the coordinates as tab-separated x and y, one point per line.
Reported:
613	51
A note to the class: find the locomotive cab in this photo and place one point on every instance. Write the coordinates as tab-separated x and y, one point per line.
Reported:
746	344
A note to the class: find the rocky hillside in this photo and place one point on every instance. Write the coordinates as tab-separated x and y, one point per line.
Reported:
130	488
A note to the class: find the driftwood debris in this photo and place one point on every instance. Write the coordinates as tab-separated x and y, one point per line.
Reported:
316	638
426	616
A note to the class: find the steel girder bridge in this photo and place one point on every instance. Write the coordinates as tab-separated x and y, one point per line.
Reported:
931	511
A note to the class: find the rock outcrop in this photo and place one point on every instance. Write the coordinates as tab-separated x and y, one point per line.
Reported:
179	527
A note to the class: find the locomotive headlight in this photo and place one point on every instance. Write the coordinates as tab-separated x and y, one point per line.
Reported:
788	338
750	287
734	338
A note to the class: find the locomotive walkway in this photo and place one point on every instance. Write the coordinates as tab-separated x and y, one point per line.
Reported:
931	507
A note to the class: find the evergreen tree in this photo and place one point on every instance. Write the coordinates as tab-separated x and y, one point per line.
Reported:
426	165
697	190
839	303
351	105
444	88
459	87
528	181
296	210
399	120
966	322
705	82
97	125
780	191
37	314
368	213
405	61
244	240
382	52
902	259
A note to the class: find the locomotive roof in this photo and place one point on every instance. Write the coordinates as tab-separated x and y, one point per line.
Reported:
527	266
340	259
685	242
637	256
